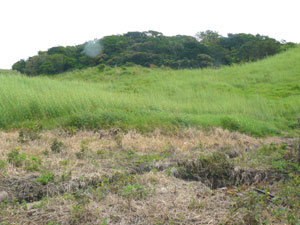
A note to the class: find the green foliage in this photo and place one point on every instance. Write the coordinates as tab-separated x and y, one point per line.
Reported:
256	208
53	223
33	164
41	204
153	48
230	124
19	66
20	160
46	177
2	164
279	157
101	67
135	191
289	196
15	158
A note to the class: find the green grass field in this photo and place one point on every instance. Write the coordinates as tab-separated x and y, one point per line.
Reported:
261	98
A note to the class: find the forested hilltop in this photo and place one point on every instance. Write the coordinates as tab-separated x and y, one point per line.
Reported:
152	48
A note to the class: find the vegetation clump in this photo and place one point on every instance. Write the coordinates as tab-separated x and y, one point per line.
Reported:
215	169
57	146
46	177
255	208
15	158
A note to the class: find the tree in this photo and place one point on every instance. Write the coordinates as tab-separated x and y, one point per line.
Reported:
147	48
19	66
208	36
205	60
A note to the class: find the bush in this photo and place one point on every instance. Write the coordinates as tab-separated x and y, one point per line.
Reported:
101	67
230	124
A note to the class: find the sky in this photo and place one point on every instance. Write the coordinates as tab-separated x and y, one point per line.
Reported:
27	27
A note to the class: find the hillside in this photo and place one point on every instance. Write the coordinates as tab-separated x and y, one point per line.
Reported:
151	156
260	98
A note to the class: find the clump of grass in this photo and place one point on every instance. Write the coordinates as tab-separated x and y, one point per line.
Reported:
215	169
83	150
230	124
196	204
57	146
29	133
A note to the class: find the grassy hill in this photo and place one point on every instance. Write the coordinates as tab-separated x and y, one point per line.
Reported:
261	98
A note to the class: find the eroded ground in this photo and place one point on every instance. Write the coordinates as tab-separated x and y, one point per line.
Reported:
111	177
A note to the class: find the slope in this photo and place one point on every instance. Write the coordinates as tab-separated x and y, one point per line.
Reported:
260	98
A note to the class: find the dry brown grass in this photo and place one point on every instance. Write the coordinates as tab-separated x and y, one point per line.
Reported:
93	155
174	202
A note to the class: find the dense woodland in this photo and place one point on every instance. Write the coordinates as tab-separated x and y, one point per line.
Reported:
151	48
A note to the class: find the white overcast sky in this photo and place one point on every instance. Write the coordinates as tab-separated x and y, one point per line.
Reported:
27	26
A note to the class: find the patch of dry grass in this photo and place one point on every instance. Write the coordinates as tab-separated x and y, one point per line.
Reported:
92	168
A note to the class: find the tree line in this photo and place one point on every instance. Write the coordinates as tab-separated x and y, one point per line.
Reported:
152	48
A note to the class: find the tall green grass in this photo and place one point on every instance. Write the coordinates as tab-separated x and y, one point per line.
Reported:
261	98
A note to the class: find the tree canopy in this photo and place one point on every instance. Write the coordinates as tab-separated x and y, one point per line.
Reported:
206	49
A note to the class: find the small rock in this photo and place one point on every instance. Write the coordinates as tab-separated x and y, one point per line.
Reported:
3	196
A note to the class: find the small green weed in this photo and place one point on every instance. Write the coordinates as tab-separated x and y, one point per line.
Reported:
135	191
53	223
41	204
46	177
33	164
2	164
15	158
